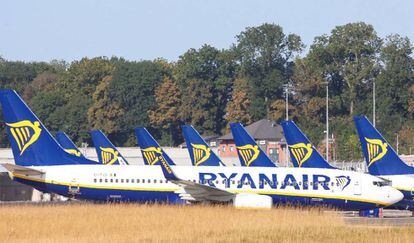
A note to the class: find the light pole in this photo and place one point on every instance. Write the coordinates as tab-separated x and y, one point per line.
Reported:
327	121
397	142
287	118
373	103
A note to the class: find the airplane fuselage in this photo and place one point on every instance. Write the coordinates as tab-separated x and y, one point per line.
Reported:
304	186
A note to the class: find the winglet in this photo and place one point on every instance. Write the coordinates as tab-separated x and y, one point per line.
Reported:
167	170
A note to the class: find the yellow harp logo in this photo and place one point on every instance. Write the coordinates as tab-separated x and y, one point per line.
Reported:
249	153
151	155
301	152
200	153
376	150
25	133
109	156
73	151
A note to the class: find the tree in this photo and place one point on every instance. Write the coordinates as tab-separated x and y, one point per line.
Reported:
206	70
104	112
168	104
266	57
348	60
237	108
133	88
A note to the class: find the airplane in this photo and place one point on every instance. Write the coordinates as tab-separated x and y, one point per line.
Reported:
250	154
107	153
200	153
384	162
44	165
301	150
67	144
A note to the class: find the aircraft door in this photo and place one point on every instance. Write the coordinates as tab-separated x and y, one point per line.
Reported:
73	188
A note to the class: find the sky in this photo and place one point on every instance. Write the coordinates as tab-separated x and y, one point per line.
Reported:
45	30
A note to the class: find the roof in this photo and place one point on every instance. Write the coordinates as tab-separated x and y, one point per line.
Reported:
262	130
207	138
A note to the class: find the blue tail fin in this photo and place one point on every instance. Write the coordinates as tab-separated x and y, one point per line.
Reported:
200	152
250	154
302	152
31	142
67	144
108	154
152	153
379	155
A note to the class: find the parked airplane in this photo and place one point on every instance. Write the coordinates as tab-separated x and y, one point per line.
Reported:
384	162
250	154
44	165
107	153
67	144
302	152
200	153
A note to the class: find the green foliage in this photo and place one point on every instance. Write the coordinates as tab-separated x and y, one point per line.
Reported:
133	87
208	88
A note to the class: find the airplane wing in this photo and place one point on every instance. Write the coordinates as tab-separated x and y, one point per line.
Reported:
193	191
22	170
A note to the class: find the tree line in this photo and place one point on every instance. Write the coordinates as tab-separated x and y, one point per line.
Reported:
208	88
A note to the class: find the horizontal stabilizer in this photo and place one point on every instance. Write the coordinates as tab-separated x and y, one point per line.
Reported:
22	170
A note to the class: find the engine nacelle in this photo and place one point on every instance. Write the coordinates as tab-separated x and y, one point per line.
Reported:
246	200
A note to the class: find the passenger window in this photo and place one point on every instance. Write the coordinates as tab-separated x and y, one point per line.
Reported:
149	180
311	183
155	181
143	180
114	174
100	180
94	180
106	180
116	180
132	181
160	181
233	182
122	180
127	180
111	180
137	180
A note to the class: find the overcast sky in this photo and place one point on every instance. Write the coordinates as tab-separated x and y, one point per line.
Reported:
44	30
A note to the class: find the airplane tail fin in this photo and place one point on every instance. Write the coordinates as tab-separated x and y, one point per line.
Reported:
32	144
302	152
67	144
108	154
152	153
250	154
200	153
379	155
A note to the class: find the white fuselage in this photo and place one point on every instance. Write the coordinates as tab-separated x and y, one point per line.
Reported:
333	187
